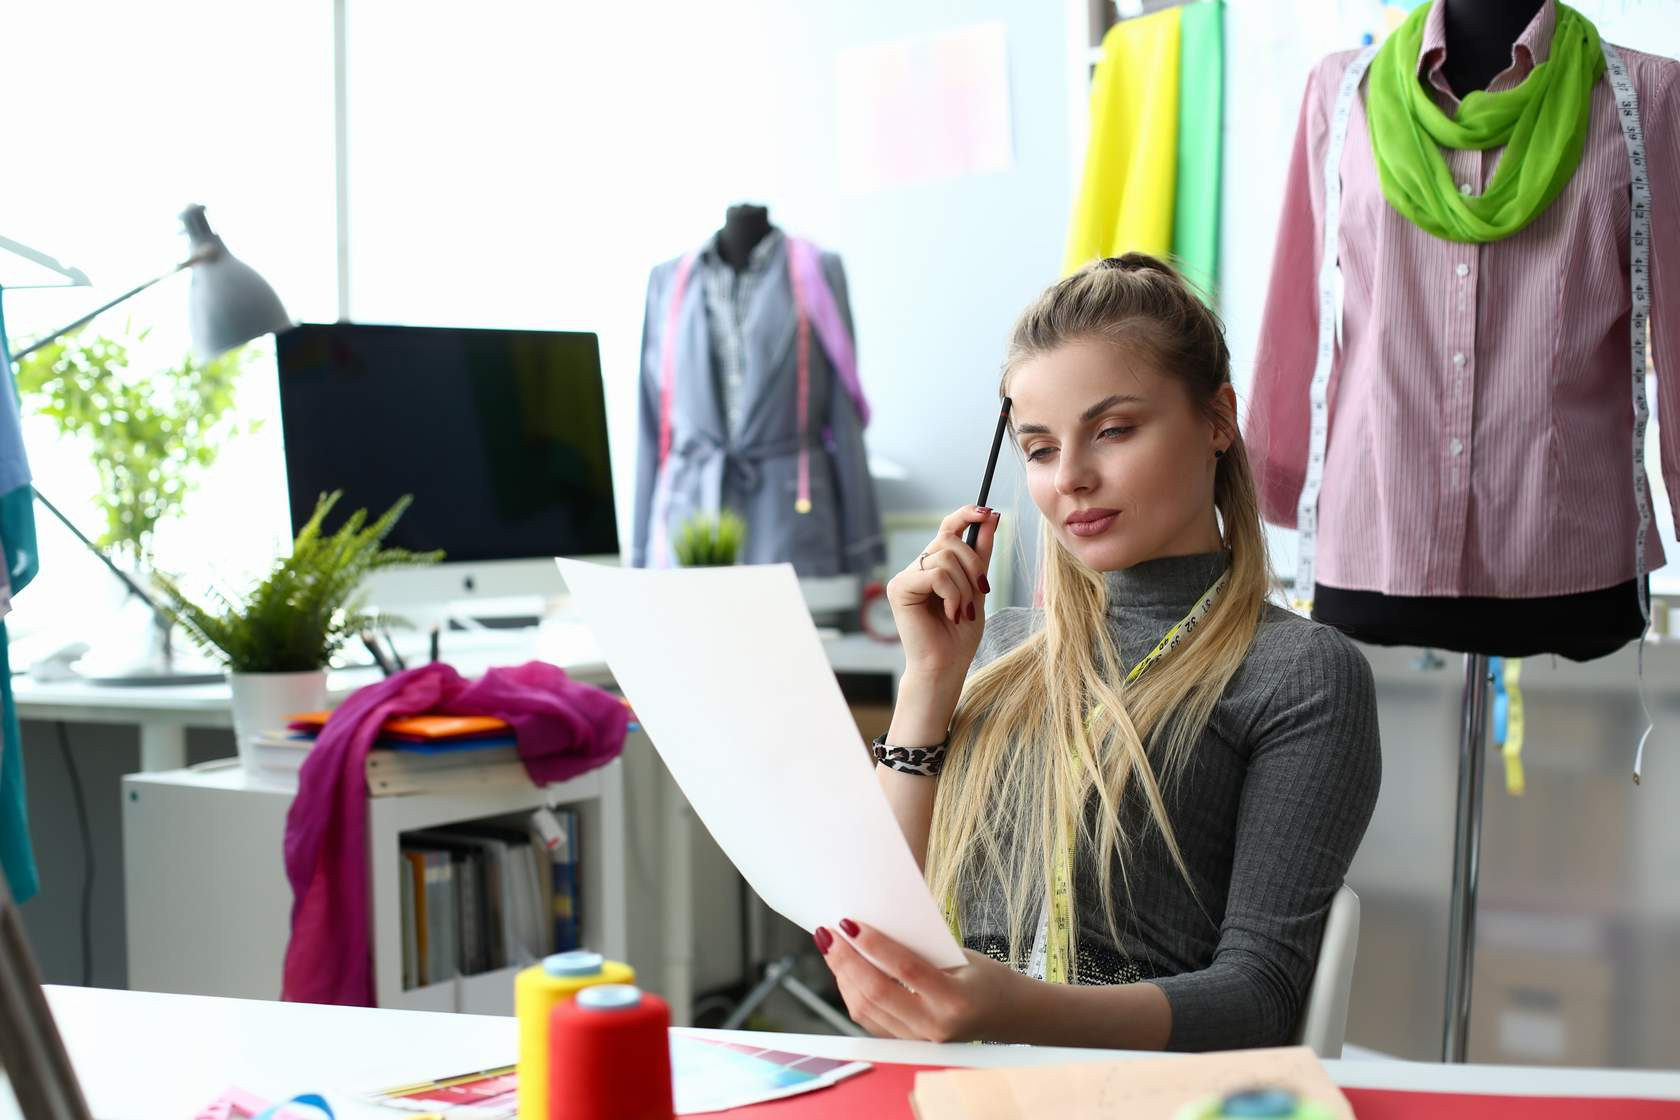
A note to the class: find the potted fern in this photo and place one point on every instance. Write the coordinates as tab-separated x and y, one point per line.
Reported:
277	640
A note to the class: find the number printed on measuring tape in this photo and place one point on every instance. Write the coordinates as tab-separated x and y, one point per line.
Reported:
1639	290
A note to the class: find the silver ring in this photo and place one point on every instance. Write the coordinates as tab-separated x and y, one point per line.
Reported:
919	560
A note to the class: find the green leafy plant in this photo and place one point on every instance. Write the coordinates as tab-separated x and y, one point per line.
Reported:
705	541
299	615
153	433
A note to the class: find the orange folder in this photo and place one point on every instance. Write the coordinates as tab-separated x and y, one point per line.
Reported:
415	727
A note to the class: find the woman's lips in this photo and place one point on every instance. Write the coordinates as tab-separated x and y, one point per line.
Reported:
1091	522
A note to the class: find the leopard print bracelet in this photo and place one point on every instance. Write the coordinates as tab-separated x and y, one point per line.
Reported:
924	762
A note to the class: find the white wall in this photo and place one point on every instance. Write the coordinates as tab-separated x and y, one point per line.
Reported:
526	167
117	116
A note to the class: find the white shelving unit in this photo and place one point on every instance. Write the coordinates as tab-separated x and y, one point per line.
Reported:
208	904
598	799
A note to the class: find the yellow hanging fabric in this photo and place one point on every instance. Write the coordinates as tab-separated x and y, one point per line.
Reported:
1131	163
1512	750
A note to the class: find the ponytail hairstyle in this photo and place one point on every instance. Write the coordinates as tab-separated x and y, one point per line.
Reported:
1027	754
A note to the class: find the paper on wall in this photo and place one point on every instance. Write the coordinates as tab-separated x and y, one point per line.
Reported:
922	109
727	676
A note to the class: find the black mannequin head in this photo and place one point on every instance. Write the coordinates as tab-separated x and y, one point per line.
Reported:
743	227
1480	35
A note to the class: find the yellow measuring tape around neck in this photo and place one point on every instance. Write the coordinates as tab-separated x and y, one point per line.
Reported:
1048	958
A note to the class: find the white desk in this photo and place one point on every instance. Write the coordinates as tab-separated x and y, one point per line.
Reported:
163	714
143	1055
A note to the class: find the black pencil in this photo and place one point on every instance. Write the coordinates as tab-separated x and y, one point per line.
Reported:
991	465
378	655
397	658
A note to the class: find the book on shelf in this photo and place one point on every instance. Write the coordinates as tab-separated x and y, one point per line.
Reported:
555	832
414	916
395	767
395	772
497	910
410	935
442	954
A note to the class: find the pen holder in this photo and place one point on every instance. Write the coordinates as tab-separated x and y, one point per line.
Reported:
536	991
610	1056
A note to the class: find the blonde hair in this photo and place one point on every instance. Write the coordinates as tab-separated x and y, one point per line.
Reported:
1023	763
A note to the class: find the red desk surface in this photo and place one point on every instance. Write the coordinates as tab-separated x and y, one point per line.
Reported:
884	1092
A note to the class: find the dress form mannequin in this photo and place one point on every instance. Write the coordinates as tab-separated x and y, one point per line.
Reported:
1480	39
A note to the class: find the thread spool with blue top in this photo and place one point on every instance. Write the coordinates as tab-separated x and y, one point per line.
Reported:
1255	1104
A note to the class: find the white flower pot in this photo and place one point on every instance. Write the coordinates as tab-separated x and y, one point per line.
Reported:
262	701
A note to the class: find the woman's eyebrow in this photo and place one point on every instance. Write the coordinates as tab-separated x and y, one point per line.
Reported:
1085	417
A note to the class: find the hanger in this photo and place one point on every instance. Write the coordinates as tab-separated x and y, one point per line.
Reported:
76	277
1131	9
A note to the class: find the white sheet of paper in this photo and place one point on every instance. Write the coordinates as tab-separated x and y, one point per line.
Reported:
726	673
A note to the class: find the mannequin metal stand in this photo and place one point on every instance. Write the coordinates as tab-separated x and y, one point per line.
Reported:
1467	852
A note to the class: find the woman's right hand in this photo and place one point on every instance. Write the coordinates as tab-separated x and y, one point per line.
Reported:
939	600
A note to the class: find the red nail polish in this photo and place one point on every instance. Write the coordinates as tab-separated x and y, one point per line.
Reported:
971	612
985	588
824	939
849	927
984	511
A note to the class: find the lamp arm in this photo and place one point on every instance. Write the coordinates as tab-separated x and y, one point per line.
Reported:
100	310
123	577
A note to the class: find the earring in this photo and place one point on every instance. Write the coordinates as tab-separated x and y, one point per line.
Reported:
1219	453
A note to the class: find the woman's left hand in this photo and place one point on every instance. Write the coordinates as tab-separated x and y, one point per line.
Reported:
906	997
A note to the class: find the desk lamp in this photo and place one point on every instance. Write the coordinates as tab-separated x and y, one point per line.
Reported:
228	306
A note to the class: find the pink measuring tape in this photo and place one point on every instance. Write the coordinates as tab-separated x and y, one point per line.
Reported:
803	345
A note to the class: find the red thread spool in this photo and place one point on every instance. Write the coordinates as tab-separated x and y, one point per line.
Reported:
610	1056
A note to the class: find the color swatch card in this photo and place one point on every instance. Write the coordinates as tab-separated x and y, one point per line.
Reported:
729	679
707	1076
711	1076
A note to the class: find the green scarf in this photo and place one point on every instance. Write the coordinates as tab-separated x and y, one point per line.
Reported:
1542	124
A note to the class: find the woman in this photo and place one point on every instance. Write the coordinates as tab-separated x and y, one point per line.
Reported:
1188	767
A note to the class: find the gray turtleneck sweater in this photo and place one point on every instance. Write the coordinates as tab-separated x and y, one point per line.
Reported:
1268	815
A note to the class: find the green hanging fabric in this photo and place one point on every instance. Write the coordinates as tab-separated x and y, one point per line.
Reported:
1542	125
1201	122
17	552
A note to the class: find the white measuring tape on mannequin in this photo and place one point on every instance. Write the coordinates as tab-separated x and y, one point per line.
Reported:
1329	326
1639	288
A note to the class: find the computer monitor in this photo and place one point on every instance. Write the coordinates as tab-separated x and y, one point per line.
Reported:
499	435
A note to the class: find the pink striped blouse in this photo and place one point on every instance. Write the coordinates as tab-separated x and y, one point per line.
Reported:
1481	403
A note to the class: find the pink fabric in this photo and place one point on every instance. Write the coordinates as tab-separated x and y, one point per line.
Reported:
563	728
1481	404
825	316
